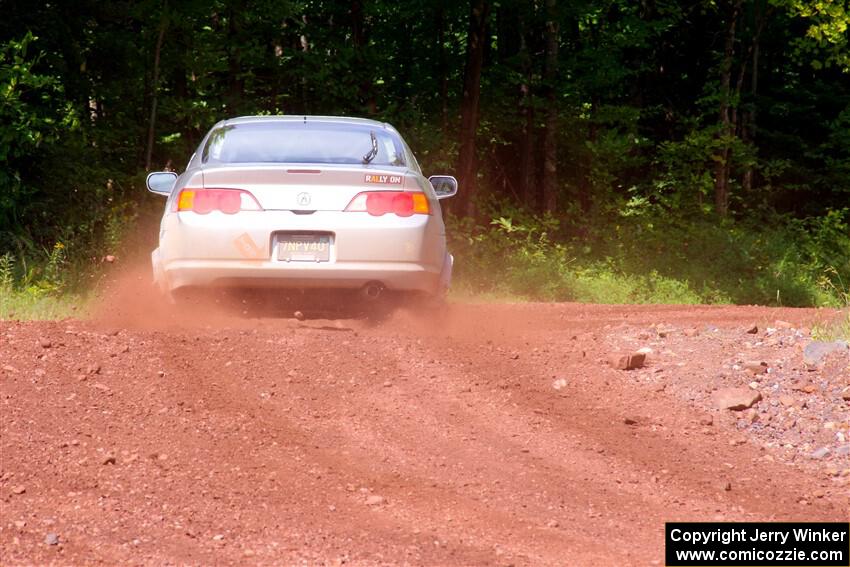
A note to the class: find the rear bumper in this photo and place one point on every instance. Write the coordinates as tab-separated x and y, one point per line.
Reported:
242	250
398	276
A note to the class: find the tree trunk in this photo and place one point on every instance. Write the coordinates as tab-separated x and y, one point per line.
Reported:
550	138
163	24
467	159
527	188
234	60
749	130
442	66
733	108
302	44
721	177
359	39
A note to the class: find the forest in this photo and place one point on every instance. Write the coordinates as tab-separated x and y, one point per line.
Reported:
607	151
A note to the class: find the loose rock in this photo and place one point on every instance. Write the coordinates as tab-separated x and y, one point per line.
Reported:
820	453
374	500
736	399
816	352
628	361
52	539
755	367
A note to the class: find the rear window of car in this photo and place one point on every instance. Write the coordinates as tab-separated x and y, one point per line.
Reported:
301	142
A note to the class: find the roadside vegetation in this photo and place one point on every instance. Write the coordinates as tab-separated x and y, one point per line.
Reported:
649	258
614	152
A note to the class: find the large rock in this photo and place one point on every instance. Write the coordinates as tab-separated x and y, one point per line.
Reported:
816	352
820	453
787	401
737	399
755	366
375	500
628	361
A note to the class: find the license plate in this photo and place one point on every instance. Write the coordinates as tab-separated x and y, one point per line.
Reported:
304	248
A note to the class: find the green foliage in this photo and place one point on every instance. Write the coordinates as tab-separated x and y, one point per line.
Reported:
837	328
32	115
38	290
826	41
7	272
53	279
37	276
24	305
30	112
59	204
647	258
637	131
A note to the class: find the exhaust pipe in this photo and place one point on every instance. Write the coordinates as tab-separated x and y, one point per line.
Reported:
372	291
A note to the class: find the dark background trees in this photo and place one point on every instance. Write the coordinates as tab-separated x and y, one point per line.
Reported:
729	111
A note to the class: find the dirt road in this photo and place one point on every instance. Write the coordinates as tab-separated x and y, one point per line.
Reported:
498	436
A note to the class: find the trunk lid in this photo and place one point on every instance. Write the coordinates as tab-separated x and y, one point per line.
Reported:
306	187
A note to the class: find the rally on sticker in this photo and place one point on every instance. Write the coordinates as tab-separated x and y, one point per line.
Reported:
385	179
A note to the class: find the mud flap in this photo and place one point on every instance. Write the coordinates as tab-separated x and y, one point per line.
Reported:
446	276
159	280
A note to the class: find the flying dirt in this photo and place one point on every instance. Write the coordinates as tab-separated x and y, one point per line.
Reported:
500	434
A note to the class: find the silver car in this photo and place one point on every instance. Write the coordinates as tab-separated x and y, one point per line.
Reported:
303	202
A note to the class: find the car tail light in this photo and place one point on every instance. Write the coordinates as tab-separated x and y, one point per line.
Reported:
227	201
401	203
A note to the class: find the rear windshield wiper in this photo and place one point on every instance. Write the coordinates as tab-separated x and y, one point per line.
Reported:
374	151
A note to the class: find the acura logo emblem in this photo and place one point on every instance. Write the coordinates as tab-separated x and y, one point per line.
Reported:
303	199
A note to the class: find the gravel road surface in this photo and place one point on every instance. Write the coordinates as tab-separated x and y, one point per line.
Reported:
500	434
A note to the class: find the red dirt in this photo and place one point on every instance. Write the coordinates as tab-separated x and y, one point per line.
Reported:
141	438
